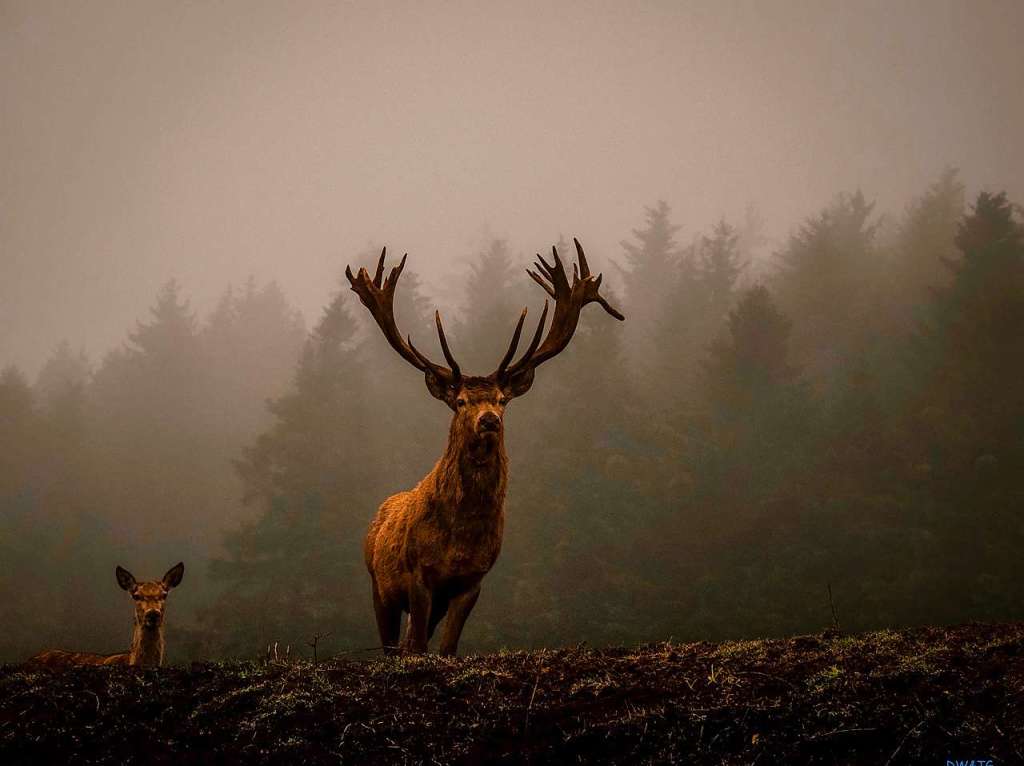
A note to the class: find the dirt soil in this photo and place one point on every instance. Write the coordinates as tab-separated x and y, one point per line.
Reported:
924	695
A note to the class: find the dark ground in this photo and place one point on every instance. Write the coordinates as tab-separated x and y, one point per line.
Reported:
925	695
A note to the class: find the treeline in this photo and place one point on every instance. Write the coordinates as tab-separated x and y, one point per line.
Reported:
848	413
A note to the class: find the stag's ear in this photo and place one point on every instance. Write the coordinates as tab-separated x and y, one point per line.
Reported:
440	390
174	575
520	382
124	578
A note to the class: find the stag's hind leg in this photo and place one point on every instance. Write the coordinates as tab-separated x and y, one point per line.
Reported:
458	612
389	621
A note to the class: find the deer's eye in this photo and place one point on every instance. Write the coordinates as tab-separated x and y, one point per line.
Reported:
460	402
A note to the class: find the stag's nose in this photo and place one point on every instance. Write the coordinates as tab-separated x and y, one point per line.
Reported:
152	617
488	422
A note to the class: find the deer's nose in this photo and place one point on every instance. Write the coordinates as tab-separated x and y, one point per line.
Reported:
488	422
152	617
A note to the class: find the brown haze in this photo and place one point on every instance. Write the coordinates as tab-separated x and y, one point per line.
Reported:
207	141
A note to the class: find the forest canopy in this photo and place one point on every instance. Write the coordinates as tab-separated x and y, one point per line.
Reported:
842	414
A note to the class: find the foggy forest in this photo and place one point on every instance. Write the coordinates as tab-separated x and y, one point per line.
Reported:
762	503
811	219
837	414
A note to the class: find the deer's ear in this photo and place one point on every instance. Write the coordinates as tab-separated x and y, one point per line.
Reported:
174	575
124	578
519	383
439	389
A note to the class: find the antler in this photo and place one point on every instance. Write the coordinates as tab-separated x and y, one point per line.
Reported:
378	295
569	302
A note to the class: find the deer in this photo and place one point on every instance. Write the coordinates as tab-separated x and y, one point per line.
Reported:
428	548
147	648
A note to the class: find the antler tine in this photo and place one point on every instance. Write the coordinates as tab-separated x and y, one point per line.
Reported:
558	273
444	347
396	272
380	268
378	296
540	281
584	266
543	267
536	336
513	345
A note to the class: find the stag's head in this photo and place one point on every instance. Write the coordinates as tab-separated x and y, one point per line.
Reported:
479	401
150	597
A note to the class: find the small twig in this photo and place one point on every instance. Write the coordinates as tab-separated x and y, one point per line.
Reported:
832	606
314	641
529	707
903	742
838	732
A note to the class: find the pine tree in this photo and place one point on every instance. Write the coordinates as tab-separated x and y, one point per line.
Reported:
750	367
925	241
151	436
297	569
829	276
496	291
969	414
22	536
720	266
972	343
64	374
753	458
651	279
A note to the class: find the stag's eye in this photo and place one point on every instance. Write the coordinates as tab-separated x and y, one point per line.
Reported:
460	402
502	400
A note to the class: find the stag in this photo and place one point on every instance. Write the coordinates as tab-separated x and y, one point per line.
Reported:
428	549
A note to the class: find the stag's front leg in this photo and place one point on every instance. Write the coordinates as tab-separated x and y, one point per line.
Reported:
458	612
419	616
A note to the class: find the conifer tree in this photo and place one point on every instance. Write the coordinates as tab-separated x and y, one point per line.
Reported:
651	278
297	569
829	276
720	266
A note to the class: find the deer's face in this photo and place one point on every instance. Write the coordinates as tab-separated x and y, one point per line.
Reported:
150	597
479	407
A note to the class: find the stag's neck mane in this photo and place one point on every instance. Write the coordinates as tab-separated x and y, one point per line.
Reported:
147	646
472	474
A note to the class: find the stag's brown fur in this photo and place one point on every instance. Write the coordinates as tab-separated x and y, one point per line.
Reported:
148	644
428	548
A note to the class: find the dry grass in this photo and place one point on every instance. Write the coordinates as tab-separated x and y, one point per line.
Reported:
913	696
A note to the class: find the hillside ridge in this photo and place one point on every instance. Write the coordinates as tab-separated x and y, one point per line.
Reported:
918	695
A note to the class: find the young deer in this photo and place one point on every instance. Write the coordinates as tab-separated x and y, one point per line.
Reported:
147	635
428	549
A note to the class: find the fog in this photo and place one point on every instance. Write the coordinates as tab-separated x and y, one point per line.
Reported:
208	142
809	213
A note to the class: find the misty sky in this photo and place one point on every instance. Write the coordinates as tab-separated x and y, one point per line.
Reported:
141	141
